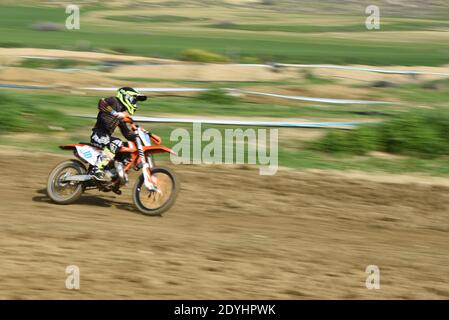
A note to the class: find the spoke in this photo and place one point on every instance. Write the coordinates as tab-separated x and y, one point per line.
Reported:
154	199
65	189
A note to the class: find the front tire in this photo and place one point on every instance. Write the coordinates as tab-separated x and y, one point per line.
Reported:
153	203
65	192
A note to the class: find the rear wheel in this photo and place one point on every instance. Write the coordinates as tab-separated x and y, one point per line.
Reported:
154	203
61	191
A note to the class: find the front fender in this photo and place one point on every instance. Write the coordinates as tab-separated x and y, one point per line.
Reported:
157	149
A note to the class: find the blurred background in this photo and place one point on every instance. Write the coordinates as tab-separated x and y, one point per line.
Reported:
373	192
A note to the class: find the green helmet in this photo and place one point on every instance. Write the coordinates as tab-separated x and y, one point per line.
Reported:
129	97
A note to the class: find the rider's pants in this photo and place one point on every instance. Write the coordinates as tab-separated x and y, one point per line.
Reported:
109	144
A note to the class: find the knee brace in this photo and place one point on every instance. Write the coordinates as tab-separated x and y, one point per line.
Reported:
115	145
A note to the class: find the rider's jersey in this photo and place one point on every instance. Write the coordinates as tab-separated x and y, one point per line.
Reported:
106	122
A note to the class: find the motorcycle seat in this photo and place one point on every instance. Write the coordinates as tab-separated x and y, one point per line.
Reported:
90	144
125	144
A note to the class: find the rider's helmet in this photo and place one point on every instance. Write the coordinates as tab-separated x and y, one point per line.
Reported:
129	97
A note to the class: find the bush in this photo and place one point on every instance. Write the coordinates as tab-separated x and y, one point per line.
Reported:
200	55
218	96
52	63
332	142
423	134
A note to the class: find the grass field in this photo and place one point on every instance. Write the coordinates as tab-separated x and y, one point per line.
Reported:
164	32
391	26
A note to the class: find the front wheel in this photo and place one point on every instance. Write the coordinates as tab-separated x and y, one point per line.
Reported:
154	203
61	191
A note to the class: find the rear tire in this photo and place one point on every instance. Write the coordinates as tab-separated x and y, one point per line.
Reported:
55	186
139	190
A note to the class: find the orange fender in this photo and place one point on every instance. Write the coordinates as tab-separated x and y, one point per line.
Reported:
157	149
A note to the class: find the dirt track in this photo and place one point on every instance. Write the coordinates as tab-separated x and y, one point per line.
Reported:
232	234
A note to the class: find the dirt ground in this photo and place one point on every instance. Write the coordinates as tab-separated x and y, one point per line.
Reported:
231	234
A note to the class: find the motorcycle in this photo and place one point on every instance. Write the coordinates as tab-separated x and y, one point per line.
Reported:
154	192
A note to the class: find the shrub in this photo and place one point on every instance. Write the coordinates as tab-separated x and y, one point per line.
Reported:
218	96
200	55
332	142
52	63
423	134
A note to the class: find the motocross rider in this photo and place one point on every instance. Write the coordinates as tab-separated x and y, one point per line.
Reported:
113	112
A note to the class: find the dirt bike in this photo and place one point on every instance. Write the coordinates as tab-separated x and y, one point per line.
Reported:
154	192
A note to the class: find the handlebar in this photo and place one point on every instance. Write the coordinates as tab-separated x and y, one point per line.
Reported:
130	120
134	127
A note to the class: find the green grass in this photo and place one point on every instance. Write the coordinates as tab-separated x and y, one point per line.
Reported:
21	17
420	95
217	96
360	27
309	159
20	113
15	28
169	45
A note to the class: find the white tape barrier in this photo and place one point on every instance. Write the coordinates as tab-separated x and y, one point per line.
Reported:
40	57
341	125
325	66
319	66
302	98
312	99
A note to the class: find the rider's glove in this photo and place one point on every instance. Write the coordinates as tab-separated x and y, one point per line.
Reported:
131	136
119	115
122	116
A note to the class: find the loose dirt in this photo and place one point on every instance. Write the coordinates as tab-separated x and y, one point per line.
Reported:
231	234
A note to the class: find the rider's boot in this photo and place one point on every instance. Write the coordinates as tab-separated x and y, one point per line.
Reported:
102	161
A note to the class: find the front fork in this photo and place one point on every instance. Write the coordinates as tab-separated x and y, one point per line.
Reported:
147	165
